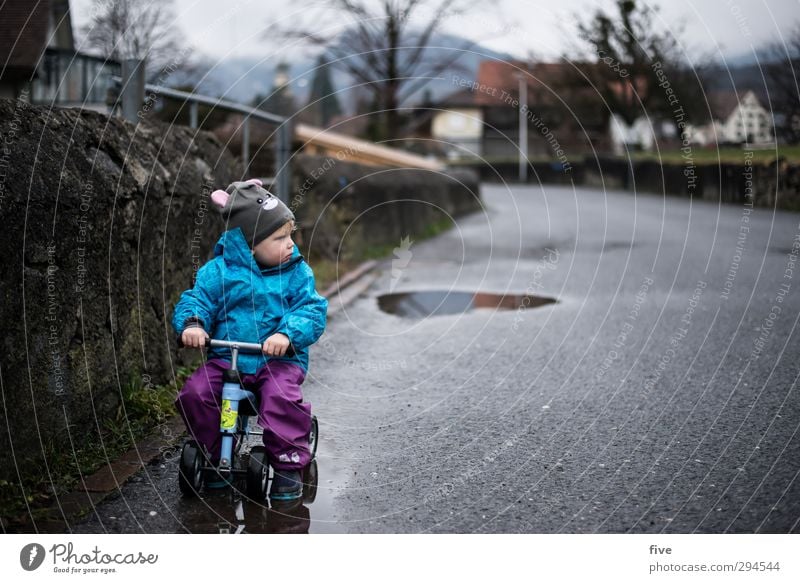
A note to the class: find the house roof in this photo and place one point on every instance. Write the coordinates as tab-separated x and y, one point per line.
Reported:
23	35
499	79
724	103
496	77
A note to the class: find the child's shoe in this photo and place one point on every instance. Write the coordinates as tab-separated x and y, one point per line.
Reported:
286	485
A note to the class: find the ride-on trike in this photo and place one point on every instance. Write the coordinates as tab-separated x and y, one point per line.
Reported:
238	405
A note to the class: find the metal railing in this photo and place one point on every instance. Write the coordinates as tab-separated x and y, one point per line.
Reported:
69	78
132	97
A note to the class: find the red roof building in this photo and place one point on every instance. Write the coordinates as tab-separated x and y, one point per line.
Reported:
565	116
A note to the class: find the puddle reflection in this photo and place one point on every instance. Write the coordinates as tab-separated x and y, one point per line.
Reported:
228	511
231	513
439	303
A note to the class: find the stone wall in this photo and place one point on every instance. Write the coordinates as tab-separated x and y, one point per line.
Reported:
775	184
103	226
769	185
346	208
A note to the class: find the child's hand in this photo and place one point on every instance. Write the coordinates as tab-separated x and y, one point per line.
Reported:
276	345
194	337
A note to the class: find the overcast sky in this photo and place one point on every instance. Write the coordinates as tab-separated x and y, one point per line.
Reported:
726	28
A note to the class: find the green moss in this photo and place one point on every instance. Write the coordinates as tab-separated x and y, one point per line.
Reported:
433	229
326	271
144	406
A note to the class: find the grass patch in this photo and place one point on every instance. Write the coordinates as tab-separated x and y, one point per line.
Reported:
144	407
700	155
731	155
326	271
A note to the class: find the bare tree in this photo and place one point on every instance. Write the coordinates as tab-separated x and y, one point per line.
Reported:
632	62
782	65
137	29
383	50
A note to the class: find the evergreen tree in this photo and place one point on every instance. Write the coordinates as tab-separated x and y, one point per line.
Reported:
323	103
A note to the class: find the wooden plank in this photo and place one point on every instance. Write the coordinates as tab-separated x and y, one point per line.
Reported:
353	149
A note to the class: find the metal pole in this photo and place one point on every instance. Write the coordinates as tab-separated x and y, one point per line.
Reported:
283	153
523	129
132	88
246	145
285	132
193	115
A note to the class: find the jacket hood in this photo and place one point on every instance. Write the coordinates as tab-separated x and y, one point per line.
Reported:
233	247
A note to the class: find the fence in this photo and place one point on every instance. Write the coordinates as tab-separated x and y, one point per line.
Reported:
132	92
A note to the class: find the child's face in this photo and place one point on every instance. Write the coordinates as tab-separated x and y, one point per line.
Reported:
277	248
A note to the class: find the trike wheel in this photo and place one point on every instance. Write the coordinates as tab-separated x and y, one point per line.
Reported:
190	471
313	437
310	482
257	473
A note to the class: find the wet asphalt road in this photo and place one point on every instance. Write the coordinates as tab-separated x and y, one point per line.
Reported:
658	395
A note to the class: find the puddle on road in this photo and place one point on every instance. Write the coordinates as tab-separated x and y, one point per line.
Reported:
422	304
609	246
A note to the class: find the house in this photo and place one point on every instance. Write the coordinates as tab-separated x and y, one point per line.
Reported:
735	120
457	124
482	117
41	63
23	37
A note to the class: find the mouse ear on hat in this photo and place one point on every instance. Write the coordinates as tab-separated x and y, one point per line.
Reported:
220	198
255	181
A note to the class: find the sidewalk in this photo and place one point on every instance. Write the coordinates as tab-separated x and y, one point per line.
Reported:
110	478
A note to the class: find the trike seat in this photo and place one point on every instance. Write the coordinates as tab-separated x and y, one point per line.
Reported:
249	407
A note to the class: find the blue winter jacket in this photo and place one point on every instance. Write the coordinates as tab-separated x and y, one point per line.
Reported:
235	299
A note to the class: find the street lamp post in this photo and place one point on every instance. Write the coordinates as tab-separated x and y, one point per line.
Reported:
523	128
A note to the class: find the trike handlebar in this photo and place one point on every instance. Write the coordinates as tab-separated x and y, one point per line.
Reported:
238	346
242	346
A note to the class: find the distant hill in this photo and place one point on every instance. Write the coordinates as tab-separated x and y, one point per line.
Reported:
243	78
739	78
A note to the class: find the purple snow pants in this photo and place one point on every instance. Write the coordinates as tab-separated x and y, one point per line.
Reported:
283	415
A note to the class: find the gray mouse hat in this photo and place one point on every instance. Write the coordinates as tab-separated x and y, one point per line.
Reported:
252	208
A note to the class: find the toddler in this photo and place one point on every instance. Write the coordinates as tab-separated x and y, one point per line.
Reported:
257	288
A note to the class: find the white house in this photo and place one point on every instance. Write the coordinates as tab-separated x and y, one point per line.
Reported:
638	135
736	119
459	124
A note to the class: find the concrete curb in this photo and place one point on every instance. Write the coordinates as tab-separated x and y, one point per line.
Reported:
104	482
349	278
349	287
74	505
